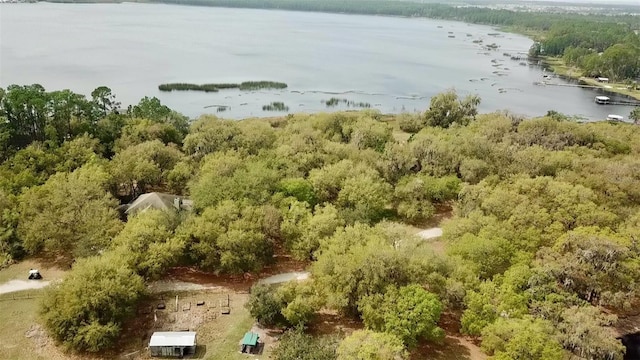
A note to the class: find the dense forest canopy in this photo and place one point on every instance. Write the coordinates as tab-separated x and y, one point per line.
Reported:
543	237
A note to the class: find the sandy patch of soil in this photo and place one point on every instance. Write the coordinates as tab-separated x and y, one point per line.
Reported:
285	277
430	233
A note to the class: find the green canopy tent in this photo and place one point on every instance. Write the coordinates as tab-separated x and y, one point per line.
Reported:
249	343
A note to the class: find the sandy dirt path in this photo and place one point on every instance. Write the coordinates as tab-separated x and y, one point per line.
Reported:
20	285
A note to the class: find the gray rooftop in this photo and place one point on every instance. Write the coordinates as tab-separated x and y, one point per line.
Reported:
173	338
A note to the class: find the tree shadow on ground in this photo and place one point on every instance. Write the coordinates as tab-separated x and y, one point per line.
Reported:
450	349
328	322
201	351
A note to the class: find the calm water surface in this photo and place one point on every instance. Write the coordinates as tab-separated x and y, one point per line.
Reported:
395	64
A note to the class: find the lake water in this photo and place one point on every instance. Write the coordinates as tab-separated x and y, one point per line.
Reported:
394	64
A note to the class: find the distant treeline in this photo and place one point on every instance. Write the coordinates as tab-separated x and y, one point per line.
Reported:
478	15
247	85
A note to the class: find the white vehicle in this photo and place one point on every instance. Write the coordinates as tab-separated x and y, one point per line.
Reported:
34	275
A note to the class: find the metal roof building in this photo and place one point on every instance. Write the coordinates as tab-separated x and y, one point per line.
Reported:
170	343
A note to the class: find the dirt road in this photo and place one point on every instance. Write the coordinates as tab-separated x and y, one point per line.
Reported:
20	285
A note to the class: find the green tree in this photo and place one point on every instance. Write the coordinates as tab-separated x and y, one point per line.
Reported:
506	296
304	231
108	130
86	310
152	109
10	245
229	176
210	134
301	302
487	256
583	331
411	123
71	214
527	212
28	167
364	198
446	109
137	168
369	133
416	194
69	115
75	153
397	161
527	338
266	306
229	238
369	345
296	345
137	131
24	109
299	188
148	244
356	262
635	115
597	265
105	101
178	178
410	313
330	179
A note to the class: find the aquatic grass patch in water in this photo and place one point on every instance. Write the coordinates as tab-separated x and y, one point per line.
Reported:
337	101
258	85
245	86
188	87
275	106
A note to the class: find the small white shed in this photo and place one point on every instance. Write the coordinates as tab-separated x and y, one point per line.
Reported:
173	343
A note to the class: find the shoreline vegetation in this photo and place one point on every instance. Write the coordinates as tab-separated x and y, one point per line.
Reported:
275	106
560	67
337	101
244	86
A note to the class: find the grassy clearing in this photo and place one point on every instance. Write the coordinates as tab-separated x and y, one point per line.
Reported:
17	318
220	338
21	334
20	271
535	34
218	335
559	67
